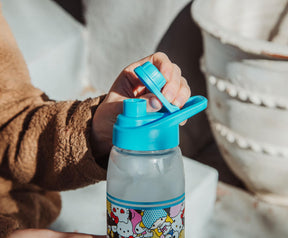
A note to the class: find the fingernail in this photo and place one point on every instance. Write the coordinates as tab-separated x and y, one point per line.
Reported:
178	102
155	104
183	123
169	96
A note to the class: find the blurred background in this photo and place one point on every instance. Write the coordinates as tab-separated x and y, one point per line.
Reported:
80	54
235	53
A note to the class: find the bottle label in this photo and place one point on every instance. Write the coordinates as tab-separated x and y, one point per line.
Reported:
126	219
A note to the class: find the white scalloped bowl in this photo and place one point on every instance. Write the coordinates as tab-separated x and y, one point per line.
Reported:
247	81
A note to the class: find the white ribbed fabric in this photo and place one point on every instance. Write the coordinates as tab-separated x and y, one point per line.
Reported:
123	31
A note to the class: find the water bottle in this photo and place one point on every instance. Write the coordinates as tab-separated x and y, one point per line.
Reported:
145	178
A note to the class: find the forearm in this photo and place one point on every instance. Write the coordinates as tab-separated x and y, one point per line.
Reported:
49	144
42	141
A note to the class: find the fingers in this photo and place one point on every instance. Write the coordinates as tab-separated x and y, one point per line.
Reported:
183	93
159	59
176	90
153	103
173	84
183	123
45	233
163	63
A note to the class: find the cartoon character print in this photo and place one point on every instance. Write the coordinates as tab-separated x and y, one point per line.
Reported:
142	231
177	226
124	229
177	215
110	221
119	213
150	223
182	234
158	221
138	228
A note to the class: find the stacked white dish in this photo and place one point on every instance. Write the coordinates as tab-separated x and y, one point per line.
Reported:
246	66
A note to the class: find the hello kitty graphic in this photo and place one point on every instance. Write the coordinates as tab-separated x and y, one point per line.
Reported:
119	214
124	229
165	222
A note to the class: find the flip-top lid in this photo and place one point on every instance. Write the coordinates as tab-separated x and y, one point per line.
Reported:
137	129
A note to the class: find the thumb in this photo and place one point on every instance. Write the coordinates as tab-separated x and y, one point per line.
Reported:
153	103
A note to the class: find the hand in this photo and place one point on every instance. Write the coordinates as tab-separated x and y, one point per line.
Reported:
45	233
127	85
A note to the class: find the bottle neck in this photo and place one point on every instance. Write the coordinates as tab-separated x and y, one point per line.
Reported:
153	152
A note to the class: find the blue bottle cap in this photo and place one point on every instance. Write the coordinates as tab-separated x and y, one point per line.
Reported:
136	129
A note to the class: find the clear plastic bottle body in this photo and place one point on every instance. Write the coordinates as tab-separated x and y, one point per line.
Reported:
145	194
148	176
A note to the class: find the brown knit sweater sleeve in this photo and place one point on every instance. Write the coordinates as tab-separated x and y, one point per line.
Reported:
43	142
44	145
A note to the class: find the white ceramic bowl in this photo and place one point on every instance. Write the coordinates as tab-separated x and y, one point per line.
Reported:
247	81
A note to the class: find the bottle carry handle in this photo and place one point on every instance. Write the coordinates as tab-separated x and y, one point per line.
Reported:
193	106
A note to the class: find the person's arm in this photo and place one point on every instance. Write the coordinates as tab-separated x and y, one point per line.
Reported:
42	141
